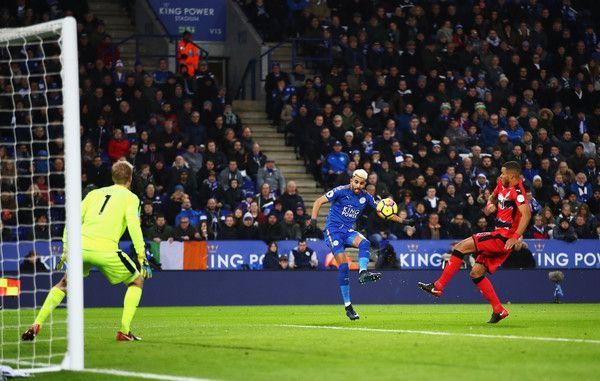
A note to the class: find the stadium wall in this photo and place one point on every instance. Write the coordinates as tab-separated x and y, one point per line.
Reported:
207	288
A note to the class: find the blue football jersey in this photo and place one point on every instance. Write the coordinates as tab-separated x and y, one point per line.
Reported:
346	207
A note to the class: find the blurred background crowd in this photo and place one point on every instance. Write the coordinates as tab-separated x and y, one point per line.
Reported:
429	97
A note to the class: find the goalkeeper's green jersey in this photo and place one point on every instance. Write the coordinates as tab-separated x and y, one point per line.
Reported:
105	213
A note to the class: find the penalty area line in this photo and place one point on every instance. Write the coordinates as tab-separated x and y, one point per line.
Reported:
147	376
442	333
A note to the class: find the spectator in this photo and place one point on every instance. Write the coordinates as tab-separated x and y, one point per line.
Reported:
230	173
315	233
378	230
185	231
582	228
433	229
271	231
168	141
161	75
303	257
290	199
32	264
206	232
265	199
148	216
255	160
175	202
335	163
228	230
289	227
563	231
271	258
192	215
160	231
233	196
209	188
98	174
193	158
188	53
248	229
581	188
272	176
41	230
431	201
459	228
539	230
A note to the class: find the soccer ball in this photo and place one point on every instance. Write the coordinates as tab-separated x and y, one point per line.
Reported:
386	208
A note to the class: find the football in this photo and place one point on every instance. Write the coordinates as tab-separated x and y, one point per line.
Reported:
386	208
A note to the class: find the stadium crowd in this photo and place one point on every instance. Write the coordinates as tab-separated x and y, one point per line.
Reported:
432	97
429	98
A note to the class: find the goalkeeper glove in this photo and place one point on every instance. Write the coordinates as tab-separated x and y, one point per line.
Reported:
61	263
145	269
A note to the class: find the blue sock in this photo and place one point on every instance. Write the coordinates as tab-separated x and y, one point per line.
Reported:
363	254
344	283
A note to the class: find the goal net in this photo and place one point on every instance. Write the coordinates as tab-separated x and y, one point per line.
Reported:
40	185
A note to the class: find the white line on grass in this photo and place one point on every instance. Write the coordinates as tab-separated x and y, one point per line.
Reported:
45	368
147	376
442	333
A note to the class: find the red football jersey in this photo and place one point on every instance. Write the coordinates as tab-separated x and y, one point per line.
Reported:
509	200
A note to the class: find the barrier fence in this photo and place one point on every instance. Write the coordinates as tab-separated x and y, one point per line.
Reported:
248	255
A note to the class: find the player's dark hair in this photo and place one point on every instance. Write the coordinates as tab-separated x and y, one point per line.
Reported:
512	166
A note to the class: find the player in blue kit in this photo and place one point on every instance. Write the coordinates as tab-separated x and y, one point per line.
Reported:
347	203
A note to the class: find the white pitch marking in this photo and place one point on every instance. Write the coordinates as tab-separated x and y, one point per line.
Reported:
441	333
147	376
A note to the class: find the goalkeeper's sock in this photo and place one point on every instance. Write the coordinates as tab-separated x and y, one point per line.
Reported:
130	304
344	283
450	270
363	254
54	298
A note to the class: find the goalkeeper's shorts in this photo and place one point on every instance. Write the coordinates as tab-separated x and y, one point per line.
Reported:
116	266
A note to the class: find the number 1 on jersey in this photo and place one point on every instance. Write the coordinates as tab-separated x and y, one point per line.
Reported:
107	197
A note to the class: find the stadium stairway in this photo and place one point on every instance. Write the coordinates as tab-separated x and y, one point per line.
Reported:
272	144
283	55
119	26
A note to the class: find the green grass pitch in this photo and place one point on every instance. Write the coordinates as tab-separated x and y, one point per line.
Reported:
249	343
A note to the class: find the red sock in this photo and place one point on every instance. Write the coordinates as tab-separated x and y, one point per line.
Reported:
486	288
451	268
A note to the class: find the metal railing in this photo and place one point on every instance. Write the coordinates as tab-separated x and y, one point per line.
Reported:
301	52
249	71
140	38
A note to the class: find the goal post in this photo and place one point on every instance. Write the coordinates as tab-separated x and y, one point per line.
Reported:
40	64
70	75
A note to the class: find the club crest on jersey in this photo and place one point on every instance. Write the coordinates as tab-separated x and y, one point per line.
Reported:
501	200
362	200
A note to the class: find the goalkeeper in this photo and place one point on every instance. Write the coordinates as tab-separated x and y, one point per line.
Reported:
105	213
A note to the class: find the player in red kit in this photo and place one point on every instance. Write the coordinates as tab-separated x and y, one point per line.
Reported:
492	248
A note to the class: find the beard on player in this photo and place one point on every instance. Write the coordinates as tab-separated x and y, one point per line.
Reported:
357	184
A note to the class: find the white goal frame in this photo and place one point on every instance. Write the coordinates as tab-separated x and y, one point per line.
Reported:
66	28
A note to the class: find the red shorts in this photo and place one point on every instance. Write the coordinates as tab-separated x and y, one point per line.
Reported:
489	247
